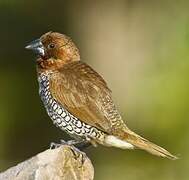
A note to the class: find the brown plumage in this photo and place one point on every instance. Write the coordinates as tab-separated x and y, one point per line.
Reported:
79	91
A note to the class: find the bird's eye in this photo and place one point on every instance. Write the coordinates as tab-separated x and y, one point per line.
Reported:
51	46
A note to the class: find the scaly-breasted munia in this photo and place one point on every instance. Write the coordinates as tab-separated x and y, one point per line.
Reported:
77	98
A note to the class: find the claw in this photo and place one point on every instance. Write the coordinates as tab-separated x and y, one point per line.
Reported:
76	147
54	145
77	153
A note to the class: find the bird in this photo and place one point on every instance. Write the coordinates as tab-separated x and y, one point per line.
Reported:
78	99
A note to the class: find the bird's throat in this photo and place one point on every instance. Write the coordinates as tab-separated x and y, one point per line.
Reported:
49	64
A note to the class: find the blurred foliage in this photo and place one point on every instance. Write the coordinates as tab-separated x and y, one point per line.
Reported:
140	47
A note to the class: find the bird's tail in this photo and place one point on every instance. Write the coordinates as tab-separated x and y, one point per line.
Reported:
130	140
141	143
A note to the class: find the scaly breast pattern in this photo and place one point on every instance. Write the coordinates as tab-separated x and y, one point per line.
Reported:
61	117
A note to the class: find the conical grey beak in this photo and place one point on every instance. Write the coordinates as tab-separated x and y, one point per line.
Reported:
37	47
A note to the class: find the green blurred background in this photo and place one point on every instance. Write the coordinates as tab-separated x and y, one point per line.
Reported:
140	47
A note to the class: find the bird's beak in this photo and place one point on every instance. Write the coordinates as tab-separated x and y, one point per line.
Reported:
37	47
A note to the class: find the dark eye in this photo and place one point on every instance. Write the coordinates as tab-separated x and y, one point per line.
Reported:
51	46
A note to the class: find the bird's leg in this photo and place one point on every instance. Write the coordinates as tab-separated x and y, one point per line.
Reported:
77	147
54	145
69	142
80	145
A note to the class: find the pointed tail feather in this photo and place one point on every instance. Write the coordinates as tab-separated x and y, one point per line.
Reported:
146	145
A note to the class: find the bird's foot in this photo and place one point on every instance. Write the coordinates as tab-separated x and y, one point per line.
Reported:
78	154
76	147
80	145
54	145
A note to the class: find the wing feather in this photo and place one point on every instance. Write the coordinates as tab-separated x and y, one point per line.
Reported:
85	94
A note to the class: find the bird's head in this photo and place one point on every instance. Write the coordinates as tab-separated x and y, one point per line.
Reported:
54	46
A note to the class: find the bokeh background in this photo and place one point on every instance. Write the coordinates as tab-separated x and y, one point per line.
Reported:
140	47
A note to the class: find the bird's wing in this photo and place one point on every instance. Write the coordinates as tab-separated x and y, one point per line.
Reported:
85	94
